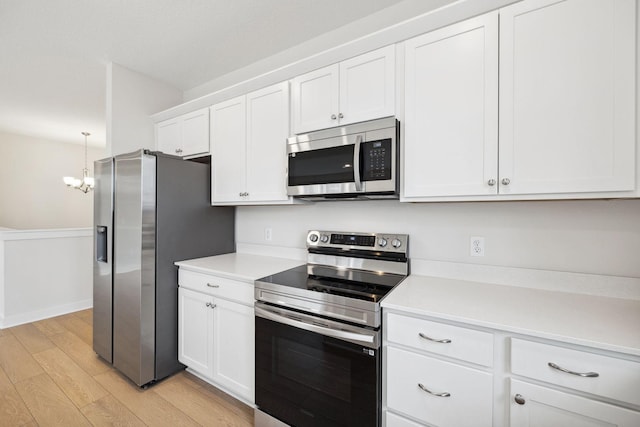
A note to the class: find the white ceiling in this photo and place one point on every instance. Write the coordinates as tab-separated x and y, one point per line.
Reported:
53	53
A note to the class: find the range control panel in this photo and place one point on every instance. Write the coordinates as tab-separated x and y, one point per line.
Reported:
386	242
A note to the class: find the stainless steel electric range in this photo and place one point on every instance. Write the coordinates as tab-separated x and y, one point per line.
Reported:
318	331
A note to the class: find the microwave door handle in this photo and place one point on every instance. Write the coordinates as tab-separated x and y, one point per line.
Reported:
356	163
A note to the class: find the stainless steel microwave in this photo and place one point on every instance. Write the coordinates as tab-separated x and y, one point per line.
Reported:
358	161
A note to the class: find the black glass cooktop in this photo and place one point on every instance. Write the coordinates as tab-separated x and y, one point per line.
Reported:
350	283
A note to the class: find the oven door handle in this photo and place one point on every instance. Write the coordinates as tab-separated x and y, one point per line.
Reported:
367	340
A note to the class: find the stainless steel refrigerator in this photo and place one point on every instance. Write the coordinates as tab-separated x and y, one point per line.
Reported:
150	210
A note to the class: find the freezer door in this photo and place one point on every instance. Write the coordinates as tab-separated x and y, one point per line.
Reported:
134	272
103	259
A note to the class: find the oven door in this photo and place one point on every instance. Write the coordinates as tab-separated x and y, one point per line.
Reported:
315	372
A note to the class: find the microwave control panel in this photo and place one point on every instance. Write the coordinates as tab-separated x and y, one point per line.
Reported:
376	160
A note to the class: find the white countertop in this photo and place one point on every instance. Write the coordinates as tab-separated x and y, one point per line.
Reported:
238	266
601	322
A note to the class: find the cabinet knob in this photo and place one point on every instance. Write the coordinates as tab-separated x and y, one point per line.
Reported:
506	181
519	399
212	285
491	182
341	116
333	117
208	304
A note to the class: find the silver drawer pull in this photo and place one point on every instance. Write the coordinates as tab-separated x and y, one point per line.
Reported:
212	286
444	394
444	341
580	374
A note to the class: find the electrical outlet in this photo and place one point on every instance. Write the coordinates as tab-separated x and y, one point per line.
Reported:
267	234
476	246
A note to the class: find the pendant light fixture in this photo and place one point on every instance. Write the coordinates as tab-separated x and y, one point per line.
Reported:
86	183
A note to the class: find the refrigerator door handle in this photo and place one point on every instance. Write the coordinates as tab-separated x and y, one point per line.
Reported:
101	243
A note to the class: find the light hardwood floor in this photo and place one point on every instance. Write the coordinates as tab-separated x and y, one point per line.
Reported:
50	376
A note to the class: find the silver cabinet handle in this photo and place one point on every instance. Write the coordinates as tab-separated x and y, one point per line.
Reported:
210	305
443	394
341	116
519	399
212	286
491	182
444	341
506	181
333	117
580	374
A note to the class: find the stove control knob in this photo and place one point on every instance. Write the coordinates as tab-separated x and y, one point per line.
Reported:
324	238
382	242
313	238
396	243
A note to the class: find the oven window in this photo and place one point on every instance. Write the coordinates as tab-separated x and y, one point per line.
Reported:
326	166
304	378
331	372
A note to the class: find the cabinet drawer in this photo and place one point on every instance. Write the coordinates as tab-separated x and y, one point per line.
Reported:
470	397
617	379
393	420
234	290
465	344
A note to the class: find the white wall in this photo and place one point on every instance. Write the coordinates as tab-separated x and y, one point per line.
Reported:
44	273
32	194
595	236
131	98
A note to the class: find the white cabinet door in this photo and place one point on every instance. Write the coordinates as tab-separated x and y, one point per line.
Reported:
169	136
228	151
267	132
438	392
195	132
185	135
451	98
315	99
543	407
195	339
233	358
567	96
355	90
367	86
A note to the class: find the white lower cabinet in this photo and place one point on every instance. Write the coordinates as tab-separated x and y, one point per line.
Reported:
441	374
216	331
535	406
438	392
423	387
576	371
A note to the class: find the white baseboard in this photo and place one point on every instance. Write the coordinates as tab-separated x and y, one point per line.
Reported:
33	316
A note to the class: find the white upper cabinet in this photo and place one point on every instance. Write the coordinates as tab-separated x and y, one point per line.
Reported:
186	135
543	108
355	90
249	139
228	151
451	98
567	96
